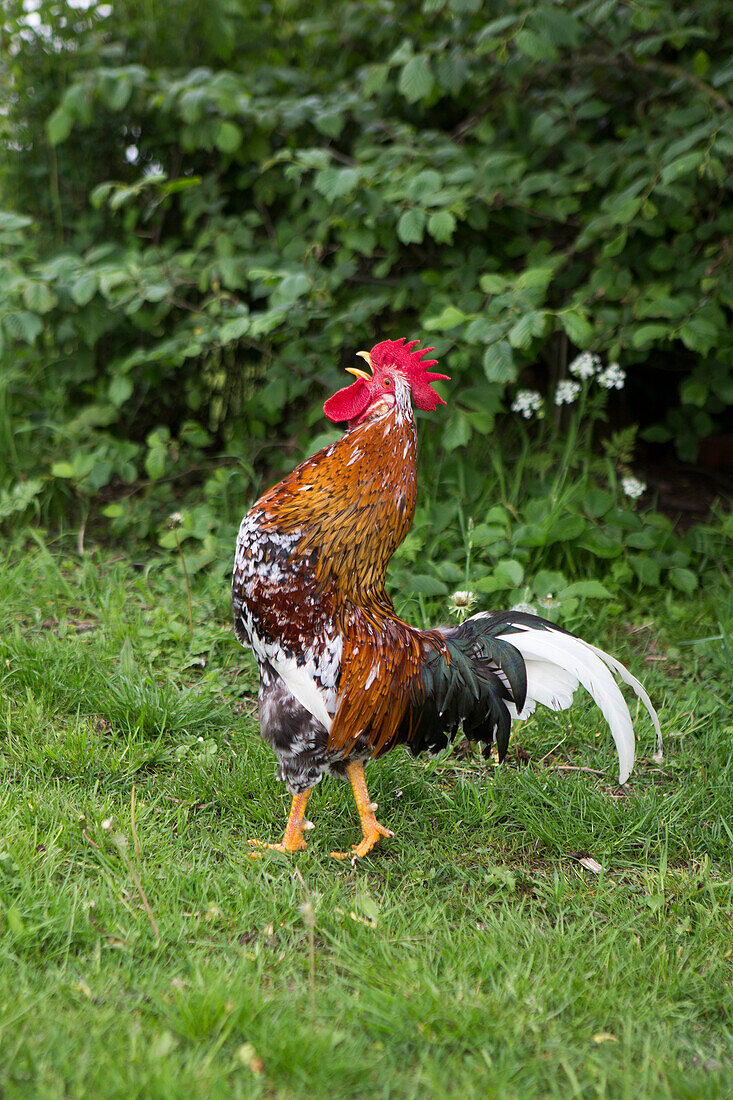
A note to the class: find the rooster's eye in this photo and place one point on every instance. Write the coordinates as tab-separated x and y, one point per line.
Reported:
388	381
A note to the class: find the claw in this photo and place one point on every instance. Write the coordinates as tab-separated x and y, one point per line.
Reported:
293	839
294	844
370	827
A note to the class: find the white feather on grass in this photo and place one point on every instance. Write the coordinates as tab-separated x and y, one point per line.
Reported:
557	662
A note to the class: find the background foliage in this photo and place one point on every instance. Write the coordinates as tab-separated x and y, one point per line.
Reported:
206	209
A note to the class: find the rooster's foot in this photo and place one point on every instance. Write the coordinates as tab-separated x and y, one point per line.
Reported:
293	839
372	837
370	827
286	845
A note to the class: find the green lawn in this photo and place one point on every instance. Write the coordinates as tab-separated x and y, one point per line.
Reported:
143	954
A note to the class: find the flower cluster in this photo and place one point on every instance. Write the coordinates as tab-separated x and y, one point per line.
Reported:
566	391
633	487
528	402
585	365
612	378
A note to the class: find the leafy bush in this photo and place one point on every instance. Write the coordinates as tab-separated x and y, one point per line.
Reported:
207	210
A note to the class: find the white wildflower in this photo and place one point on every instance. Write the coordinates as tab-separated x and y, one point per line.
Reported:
527	402
612	378
175	519
154	169
525	608
633	487
548	601
585	365
566	392
461	603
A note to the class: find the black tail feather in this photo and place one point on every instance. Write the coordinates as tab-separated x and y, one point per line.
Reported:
471	689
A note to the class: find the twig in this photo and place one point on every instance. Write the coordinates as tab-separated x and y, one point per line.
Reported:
120	844
80	537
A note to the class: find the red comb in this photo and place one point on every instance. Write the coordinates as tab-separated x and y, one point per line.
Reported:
397	354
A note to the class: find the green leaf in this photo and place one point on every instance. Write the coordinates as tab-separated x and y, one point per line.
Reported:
589	589
499	362
424	185
115	91
58	125
645	335
120	389
375	78
597	502
228	137
424	585
577	326
510	570
646	569
411	226
39	297
62	469
156	292
416	78
23	326
335	183
520	334
532	45
684	579
155	462
694	391
448	318
11	221
485	534
682	167
457	431
615	246
234	329
291	288
492	284
699	334
84	288
441	226
548	583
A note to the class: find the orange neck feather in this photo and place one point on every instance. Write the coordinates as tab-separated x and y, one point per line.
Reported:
353	504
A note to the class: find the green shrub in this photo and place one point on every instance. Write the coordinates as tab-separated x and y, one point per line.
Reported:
209	208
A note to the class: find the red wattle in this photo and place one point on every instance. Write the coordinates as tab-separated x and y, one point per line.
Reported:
348	403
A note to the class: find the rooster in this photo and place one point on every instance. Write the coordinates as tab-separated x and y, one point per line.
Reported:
342	678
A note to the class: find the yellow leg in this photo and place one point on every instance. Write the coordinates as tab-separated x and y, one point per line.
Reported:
370	827
292	841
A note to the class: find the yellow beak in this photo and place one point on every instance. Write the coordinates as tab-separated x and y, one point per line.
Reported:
360	373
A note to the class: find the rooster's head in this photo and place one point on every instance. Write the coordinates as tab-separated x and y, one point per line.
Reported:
375	392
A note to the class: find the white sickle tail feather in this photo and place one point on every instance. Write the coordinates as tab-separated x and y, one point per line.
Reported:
557	662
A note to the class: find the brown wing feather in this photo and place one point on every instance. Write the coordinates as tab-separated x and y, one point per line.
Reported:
380	681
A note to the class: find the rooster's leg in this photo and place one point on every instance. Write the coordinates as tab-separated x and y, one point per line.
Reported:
370	827
293	838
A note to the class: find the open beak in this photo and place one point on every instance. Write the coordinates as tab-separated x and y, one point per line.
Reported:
360	373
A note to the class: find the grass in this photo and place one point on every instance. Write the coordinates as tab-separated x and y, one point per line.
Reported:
143	954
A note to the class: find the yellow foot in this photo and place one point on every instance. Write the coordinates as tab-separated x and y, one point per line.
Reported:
295	845
372	837
293	839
